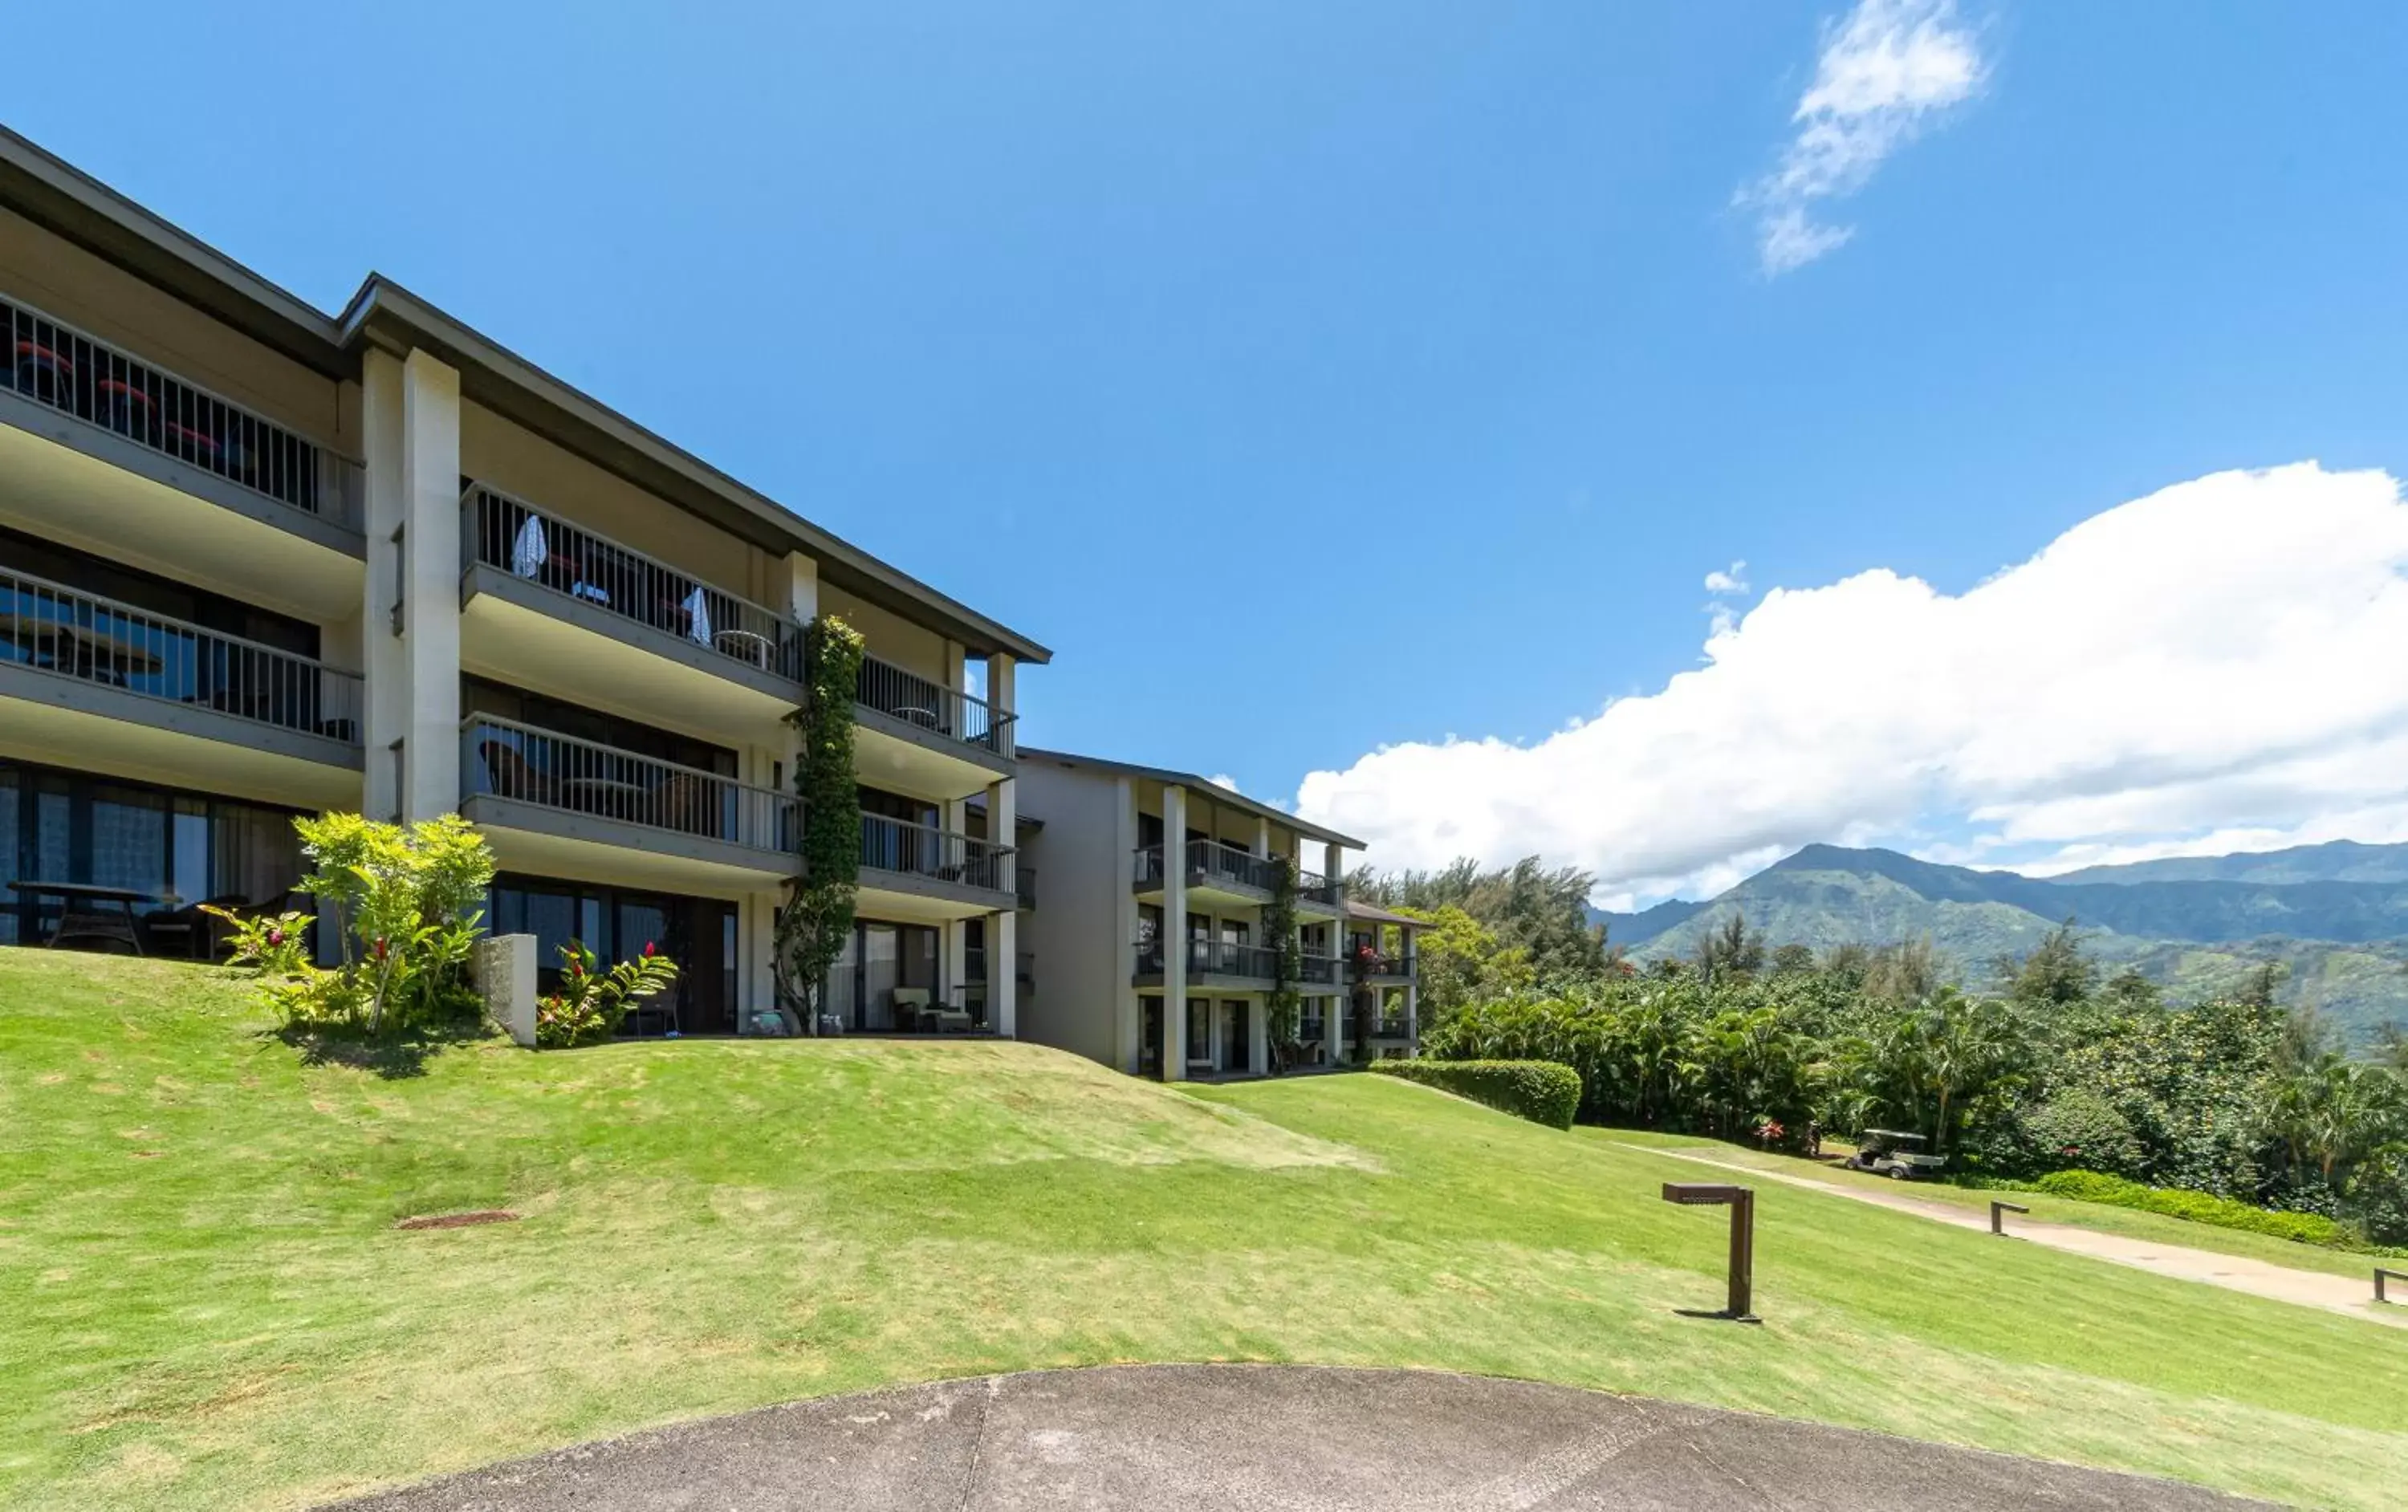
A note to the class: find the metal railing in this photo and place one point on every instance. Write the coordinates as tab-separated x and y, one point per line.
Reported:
1023	884
80	375
100	640
508	760
891	844
1392	966
1211	861
499	530
1317	970
1216	958
1312	887
931	706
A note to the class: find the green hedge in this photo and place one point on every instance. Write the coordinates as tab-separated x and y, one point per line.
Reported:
1543	1091
2198	1206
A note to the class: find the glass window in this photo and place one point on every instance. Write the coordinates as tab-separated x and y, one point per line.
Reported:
189	843
129	838
641	925
552	918
10	903
1199	1028
843	997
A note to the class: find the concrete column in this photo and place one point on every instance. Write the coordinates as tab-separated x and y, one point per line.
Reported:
383	660
952	960
430	491
802	585
757	951
1333	1025
1131	1034
1259	1029
1174	929
1333	862
1003	971
1002	694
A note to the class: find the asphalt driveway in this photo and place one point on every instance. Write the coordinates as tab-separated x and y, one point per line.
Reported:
1252	1437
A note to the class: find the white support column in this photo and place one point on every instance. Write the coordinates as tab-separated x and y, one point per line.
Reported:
1131	1036
1174	935
1002	696
1003	931
954	936
1333	864
382	657
1333	1024
430	492
1258	1031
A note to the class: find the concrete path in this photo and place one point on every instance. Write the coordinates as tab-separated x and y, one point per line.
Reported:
1197	1437
2258	1278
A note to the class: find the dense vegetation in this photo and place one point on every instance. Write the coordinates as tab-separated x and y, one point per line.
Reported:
2062	1068
1543	1091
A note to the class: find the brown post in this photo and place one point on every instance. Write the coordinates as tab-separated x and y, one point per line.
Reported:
1998	1224
1742	1201
2379	1273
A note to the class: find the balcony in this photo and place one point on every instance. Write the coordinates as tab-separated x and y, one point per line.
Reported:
1213	963
1317	894
1317	971
103	449
918	736
1214	870
553	606
920	872
1023	884
560	807
101	685
1369	965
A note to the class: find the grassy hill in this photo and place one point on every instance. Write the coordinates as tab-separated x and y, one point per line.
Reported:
2345	940
210	1304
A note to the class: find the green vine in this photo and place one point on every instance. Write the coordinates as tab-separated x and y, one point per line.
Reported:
817	920
1286	1005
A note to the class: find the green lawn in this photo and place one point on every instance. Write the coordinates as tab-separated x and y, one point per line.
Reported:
2106	1218
207	1305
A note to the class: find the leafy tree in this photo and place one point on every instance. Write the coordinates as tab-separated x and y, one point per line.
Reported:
817	920
1541	912
2056	972
1729	951
1462	962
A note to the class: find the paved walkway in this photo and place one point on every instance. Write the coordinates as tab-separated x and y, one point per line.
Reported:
1245	1438
2260	1277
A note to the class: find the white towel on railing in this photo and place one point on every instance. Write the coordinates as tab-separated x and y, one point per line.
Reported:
531	551
697	617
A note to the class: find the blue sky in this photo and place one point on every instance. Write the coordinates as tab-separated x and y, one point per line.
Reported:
1434	334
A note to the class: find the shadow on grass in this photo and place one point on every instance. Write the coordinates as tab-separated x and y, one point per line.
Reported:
393	1056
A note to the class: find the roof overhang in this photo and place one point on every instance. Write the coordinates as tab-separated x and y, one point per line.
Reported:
1226	797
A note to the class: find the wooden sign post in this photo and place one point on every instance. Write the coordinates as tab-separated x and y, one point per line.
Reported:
1742	1201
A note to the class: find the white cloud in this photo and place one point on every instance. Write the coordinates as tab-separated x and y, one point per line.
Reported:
1885	69
1731	580
2218	666
1223	779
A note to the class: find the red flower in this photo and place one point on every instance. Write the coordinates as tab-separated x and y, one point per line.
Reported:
381	948
648	950
276	936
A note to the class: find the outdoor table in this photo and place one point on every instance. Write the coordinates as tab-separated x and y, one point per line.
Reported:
90	923
925	718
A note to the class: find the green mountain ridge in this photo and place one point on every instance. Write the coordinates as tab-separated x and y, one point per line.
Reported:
2335	915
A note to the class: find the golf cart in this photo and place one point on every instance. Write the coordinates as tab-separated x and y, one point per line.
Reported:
1899	1155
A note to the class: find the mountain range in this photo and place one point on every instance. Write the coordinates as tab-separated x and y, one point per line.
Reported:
2336	914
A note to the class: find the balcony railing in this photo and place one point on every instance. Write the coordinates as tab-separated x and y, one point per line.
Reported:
501	532
80	375
1215	958
891	844
1211	861
918	700
1317	970
1312	887
1023	884
509	760
99	640
1370	963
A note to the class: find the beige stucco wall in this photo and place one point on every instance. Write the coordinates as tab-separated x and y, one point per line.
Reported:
891	637
70	284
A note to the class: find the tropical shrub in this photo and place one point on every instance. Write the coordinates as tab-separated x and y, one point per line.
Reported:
2198	1206
589	1004
1543	1091
399	901
277	947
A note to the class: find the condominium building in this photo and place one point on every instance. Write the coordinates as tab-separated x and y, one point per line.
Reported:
257	560
1155	945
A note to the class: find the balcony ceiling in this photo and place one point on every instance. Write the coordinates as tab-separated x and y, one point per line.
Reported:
51	490
547	653
80	740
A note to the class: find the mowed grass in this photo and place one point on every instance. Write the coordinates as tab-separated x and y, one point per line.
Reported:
2133	1222
204	1302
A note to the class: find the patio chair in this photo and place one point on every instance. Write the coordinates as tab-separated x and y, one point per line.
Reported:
686	804
188	927
661	1006
510	774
